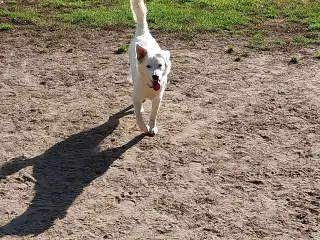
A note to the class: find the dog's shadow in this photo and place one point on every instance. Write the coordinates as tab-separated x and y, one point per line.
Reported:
61	173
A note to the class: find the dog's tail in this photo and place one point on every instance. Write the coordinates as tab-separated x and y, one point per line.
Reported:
139	11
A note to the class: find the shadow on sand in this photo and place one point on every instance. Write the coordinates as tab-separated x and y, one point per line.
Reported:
61	173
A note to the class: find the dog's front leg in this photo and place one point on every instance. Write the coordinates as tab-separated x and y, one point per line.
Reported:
153	116
138	109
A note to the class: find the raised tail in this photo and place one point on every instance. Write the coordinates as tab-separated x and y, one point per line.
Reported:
139	11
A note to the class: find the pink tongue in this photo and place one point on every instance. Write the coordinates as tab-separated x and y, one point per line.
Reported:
156	86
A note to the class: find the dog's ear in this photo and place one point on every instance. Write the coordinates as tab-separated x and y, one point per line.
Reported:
141	52
166	55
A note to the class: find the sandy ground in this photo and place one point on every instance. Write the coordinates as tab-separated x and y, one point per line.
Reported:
237	155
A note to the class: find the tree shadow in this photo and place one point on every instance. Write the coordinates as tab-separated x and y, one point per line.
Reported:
61	173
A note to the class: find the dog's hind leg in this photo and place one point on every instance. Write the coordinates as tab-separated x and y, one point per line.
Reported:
153	116
137	109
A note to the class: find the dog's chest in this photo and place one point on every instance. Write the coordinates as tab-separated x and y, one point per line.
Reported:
148	92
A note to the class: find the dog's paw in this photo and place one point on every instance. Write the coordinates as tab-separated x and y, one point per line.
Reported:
152	131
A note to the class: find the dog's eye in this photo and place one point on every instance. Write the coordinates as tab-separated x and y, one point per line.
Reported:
160	65
148	66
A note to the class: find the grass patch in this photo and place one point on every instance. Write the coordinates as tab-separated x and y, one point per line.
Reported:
63	4
198	15
5	26
263	40
314	26
167	15
21	17
122	49
318	55
98	17
229	50
304	40
294	60
259	41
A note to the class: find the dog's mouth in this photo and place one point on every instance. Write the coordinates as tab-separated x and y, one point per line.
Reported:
156	85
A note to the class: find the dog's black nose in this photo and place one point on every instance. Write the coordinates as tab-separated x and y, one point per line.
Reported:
155	77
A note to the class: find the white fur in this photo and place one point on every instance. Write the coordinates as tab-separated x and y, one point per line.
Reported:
147	60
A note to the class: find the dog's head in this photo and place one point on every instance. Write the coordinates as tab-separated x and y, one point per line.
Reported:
154	66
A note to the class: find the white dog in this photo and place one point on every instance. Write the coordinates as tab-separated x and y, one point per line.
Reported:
150	66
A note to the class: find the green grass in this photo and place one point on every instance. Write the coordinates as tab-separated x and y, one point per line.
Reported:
5	26
122	49
166	15
97	17
304	40
198	15
294	60
314	26
263	40
61	4
28	16
230	50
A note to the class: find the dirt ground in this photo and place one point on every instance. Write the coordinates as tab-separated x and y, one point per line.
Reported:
237	155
